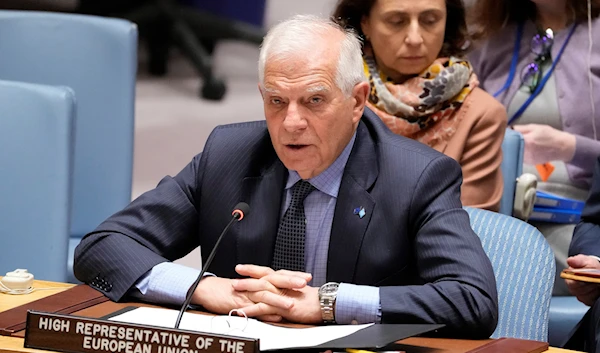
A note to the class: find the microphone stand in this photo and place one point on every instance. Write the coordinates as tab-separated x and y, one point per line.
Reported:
237	216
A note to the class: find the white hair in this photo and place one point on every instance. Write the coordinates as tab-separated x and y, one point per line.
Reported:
297	35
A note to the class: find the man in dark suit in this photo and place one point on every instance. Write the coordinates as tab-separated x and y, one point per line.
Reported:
584	252
343	210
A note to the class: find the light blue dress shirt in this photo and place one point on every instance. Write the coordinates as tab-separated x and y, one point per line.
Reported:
168	282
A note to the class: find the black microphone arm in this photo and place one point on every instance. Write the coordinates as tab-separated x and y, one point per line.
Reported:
240	210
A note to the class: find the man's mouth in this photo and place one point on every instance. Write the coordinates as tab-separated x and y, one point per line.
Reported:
296	146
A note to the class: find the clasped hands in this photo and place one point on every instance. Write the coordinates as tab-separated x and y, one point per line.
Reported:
265	294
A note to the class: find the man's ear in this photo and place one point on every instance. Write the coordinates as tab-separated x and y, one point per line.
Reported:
360	93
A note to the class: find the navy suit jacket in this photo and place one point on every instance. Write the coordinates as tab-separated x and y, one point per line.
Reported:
586	238
414	243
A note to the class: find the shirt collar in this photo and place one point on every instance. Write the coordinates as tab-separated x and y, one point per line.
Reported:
330	179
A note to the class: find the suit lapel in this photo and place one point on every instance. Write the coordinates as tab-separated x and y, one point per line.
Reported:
263	193
348	229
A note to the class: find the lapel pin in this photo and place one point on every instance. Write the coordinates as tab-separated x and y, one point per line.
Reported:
360	211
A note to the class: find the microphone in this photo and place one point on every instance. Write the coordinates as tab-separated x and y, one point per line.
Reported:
240	210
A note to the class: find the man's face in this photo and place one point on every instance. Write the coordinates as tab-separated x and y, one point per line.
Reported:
310	120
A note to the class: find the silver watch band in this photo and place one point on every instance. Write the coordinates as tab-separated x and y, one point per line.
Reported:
328	310
327	297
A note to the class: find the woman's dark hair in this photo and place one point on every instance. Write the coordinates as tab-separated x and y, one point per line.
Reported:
349	13
490	16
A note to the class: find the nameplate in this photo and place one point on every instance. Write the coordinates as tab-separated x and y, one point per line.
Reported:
64	333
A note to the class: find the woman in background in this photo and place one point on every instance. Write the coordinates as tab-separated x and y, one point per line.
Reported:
423	89
537	60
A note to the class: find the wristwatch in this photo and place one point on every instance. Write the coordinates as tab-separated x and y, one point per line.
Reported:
327	294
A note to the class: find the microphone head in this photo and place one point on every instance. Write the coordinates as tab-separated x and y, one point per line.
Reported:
240	210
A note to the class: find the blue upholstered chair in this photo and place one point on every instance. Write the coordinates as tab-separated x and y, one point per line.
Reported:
97	58
36	140
565	312
524	267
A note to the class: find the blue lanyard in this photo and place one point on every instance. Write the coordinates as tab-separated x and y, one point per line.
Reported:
513	69
513	63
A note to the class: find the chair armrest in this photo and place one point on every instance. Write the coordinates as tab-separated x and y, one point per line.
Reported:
524	196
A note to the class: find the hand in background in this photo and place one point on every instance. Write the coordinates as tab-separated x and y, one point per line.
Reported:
267	288
587	293
544	143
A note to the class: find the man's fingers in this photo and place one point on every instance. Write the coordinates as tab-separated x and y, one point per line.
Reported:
575	285
271	299
253	285
306	276
280	279
580	288
588	299
284	281
253	271
586	293
270	318
583	261
572	285
590	289
261	310
577	261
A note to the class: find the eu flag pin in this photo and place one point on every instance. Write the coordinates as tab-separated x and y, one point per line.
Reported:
360	211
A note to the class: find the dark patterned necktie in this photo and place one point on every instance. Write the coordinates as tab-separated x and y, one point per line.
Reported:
289	245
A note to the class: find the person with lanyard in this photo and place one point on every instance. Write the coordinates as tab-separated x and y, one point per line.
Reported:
536	57
422	87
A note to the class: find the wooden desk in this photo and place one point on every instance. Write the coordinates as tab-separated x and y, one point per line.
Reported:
15	345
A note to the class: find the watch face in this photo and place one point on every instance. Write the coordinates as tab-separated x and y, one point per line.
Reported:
329	288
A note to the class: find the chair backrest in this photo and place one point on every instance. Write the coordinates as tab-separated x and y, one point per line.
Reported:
97	58
523	265
513	146
36	140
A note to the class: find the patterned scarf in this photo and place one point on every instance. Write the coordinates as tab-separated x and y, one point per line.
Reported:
421	108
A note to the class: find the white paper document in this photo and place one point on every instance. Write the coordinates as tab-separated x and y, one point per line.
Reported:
271	337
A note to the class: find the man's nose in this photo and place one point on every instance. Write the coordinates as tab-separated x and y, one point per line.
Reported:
293	119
